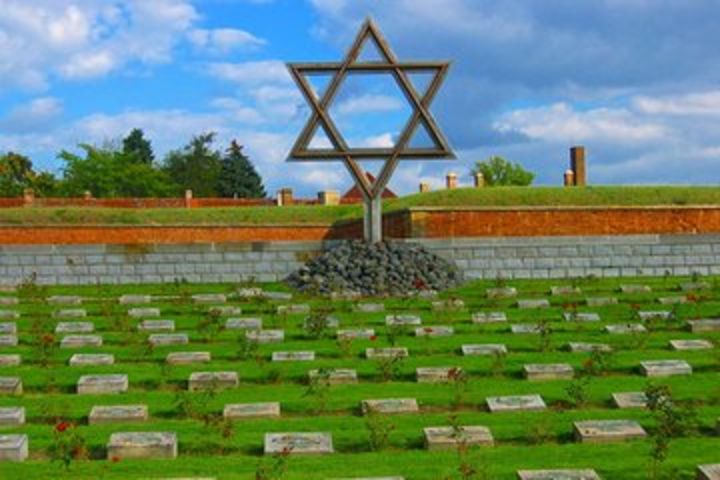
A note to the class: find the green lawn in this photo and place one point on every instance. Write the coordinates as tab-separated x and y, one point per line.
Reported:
523	440
466	197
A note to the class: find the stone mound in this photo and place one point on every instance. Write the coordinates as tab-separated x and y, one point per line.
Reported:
386	268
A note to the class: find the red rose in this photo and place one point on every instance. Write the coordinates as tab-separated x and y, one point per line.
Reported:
62	426
373	338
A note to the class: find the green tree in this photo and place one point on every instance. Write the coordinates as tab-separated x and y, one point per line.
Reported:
500	172
238	176
109	172
196	167
135	144
17	174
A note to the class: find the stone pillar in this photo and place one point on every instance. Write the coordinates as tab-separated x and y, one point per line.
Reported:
451	181
28	197
479	179
188	198
569	178
285	197
578	165
329	197
424	187
87	195
372	208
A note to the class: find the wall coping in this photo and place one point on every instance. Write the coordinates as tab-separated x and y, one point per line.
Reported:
473	208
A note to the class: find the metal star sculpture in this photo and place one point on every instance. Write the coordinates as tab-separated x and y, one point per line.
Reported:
320	104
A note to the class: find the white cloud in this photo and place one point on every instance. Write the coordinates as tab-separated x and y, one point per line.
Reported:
35	115
88	64
223	40
370	103
705	103
251	73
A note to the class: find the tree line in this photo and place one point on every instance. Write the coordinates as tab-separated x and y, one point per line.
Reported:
129	169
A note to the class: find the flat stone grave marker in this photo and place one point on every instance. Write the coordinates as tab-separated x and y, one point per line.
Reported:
444	438
336	376
301	308
187	358
100	415
484	349
437	374
356	334
489	317
427	294
387	352
91	359
548	371
672	300
225	310
209	298
450	304
581	317
7	288
646	315
625	328
369	307
559	474
75	327
144	312
501	292
561	290
708	472
81	341
278	296
305	356
132	299
142	445
371	478
13	448
8	340
7	301
265	336
390	405
515	403
330	322
8	328
402	320
436	331
65	300
9	314
249	323
600	301
345	295
298	443
70	313
603	431
635	288
10	360
212	381
533	303
705	325
168	339
100	384
665	368
12	416
694	344
694	286
249	292
525	328
252	410
584	347
157	326
630	400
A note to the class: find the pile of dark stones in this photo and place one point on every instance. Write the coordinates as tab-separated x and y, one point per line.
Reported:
379	269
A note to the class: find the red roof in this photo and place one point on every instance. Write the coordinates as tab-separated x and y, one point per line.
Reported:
355	195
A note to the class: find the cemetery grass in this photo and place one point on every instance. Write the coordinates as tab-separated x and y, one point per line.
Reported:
293	215
523	440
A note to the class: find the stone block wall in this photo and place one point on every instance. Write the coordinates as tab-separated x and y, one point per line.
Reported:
482	257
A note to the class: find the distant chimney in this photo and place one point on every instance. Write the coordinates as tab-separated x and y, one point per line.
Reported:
424	187
569	178
285	197
329	197
188	198
479	179
451	181
28	197
578	165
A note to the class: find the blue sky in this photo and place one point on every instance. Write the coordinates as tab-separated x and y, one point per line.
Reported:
636	81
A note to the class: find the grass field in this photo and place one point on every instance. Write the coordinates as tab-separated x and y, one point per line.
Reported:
522	440
465	197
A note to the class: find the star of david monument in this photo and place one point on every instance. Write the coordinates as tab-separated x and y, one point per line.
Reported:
420	120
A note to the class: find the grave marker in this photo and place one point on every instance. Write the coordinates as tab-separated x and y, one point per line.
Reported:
298	309
265	336
515	403
708	472
672	300
251	410
75	327
501	292
369	307
187	358
144	312
635	288
437	374
8	328
91	359
65	300
387	352
625	328
298	443
101	415
695	344
8	340
646	315
13	448
209	298
390	405
630	400
8	301
212	381
548	371
304	356
356	334
156	326
604	431
248	323
559	474
9	314
601	301
484	349
665	368
402	320
525	328
225	311
437	331
490	317
336	376
581	317
533	303
10	360
168	339
444	438
81	341
142	445
583	347
705	325
130	299
564	290
102	384
70	313
12	416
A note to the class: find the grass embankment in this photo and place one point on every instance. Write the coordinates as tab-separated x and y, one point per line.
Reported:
523	440
466	197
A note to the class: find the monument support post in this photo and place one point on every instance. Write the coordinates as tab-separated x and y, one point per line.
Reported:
372	207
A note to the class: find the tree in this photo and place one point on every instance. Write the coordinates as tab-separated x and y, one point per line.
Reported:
238	176
136	145
500	172
109	172
17	174
196	167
